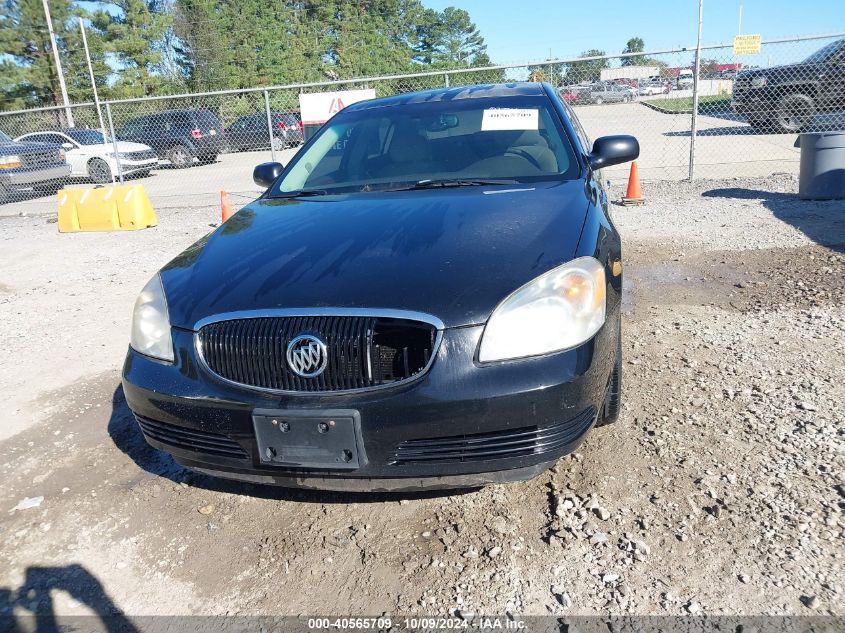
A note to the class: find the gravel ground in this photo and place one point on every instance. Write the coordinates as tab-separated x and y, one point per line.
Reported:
720	490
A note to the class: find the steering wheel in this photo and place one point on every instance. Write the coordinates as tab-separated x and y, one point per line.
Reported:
523	154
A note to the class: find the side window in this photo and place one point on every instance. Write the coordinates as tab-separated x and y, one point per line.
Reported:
584	139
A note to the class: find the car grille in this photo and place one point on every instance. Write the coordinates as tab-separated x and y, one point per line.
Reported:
146	154
191	439
520	442
38	159
363	351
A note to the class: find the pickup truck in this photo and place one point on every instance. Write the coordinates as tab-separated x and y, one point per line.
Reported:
38	166
787	98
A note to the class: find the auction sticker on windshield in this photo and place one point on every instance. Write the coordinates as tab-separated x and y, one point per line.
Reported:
510	119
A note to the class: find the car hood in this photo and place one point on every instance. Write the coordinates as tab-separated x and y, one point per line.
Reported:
123	146
451	253
787	71
26	147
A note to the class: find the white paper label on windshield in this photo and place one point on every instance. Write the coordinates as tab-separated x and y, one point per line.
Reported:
510	119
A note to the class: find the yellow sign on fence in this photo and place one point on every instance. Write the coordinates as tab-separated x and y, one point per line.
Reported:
746	44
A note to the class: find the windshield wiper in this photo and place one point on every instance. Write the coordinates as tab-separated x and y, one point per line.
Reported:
458	182
304	193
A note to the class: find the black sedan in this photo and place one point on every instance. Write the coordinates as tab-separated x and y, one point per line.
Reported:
427	295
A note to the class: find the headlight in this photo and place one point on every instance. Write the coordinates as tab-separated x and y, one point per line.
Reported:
151	323
758	82
556	311
10	162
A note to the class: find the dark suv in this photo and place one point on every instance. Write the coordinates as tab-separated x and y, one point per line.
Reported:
180	136
250	131
787	98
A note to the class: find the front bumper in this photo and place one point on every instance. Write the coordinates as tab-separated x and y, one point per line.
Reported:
206	424
25	178
134	166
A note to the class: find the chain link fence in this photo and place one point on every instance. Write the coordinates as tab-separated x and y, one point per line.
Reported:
185	149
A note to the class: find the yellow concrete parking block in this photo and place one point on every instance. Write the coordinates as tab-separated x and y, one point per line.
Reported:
117	208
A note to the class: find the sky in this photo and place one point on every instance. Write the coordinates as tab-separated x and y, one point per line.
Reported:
530	30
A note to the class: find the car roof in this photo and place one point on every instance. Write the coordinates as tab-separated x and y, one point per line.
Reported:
481	91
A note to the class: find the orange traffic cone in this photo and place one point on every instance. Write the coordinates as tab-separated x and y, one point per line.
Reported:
225	206
635	193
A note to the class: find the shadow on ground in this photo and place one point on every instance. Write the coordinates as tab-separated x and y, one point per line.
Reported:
31	606
127	436
821	221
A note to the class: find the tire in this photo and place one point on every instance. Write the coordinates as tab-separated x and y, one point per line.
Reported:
5	194
180	156
794	113
278	144
210	158
99	171
613	399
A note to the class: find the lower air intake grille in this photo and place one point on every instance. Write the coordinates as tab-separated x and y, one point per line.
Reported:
362	351
191	439
521	442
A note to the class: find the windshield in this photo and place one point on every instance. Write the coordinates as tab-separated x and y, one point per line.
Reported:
4	138
824	53
86	137
517	139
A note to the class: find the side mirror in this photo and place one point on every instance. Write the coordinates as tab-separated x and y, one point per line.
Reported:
67	145
265	174
613	150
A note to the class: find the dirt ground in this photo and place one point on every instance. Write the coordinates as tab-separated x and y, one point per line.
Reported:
720	490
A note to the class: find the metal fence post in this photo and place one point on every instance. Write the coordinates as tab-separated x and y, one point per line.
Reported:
269	125
694	122
446	79
114	142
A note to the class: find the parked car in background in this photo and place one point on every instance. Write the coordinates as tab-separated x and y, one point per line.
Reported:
27	165
575	94
434	303
250	131
179	136
90	155
651	88
685	79
609	92
787	98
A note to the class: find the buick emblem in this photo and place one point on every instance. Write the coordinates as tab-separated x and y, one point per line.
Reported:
307	356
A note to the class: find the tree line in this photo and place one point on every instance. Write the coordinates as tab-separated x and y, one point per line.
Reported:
155	47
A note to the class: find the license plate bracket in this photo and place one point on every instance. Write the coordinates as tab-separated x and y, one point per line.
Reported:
301	438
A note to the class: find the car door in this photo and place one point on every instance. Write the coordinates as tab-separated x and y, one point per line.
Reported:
76	155
831	80
257	131
235	133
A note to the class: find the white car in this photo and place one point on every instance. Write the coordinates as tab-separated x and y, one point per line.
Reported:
651	88
90	155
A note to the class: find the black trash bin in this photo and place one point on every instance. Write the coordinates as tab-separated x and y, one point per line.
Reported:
822	175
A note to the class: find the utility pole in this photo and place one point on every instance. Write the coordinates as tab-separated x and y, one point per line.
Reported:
65	100
739	30
96	96
694	125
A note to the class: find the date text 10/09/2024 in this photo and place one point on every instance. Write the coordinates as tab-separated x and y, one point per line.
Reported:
417	624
